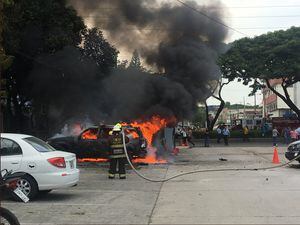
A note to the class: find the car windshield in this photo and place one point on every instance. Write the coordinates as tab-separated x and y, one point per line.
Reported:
39	145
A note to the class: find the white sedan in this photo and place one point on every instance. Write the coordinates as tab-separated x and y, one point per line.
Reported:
45	168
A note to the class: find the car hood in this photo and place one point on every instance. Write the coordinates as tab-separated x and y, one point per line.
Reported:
294	143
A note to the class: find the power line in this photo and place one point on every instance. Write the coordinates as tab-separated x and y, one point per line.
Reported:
222	7
212	19
183	29
226	17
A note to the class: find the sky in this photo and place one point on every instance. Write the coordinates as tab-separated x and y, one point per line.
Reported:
253	18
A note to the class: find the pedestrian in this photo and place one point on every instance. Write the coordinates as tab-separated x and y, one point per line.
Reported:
189	137
184	136
206	138
246	133
117	154
287	135
275	135
298	132
219	134
293	135
226	134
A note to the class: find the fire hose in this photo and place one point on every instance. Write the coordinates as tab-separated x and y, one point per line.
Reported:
198	171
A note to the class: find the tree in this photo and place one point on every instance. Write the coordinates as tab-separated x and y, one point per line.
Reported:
5	61
32	28
275	55
100	50
211	123
135	62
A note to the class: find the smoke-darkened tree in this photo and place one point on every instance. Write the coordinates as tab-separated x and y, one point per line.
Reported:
135	62
33	27
68	87
97	48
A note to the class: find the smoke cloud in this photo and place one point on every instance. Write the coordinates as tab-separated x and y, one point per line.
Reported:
179	43
170	37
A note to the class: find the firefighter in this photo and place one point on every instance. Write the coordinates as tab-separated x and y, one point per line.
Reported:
117	153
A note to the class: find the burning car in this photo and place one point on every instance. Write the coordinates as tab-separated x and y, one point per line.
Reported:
93	142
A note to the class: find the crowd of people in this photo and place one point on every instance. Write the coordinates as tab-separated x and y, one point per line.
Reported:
223	133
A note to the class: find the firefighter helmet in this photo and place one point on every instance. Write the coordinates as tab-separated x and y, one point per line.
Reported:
117	127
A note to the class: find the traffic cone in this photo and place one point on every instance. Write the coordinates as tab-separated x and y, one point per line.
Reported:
275	156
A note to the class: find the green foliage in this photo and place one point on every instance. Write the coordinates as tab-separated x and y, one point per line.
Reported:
32	28
200	117
268	56
37	26
98	49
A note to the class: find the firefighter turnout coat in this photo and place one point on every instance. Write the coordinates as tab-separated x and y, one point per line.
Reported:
116	145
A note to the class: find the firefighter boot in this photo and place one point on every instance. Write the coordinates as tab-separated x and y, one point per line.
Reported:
111	176
122	176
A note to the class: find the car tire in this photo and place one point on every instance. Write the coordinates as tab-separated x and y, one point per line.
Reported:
8	216
29	186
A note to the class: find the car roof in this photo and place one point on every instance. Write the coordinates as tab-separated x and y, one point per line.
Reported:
14	135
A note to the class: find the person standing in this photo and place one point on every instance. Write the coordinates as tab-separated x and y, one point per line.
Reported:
275	135
219	134
226	134
117	153
184	136
293	135
189	137
206	138
246	133
287	135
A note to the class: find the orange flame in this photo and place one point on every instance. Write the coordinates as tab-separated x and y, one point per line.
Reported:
92	160
88	135
149	129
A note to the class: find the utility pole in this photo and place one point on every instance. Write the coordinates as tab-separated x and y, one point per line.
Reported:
1	111
254	105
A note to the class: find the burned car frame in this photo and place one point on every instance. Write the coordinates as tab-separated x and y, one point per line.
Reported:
92	142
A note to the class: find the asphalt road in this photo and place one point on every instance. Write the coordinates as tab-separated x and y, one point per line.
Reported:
238	197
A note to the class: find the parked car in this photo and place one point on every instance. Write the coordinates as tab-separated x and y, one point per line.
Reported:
293	150
93	142
45	168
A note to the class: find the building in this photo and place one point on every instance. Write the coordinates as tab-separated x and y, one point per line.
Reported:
274	106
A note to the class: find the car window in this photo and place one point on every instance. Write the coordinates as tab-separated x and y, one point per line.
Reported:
90	134
39	145
9	147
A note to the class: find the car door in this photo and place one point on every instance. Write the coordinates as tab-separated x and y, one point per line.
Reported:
11	154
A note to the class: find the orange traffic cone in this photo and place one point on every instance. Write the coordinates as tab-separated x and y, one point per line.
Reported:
275	156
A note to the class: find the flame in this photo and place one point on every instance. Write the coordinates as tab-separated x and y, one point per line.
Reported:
92	160
149	129
88	135
133	133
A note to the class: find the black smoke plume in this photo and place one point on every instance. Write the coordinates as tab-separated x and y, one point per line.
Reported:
179	43
175	39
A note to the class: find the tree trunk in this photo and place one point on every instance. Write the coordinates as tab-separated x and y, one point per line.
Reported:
220	109
286	98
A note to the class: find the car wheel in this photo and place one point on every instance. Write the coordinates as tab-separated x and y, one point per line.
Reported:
28	185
